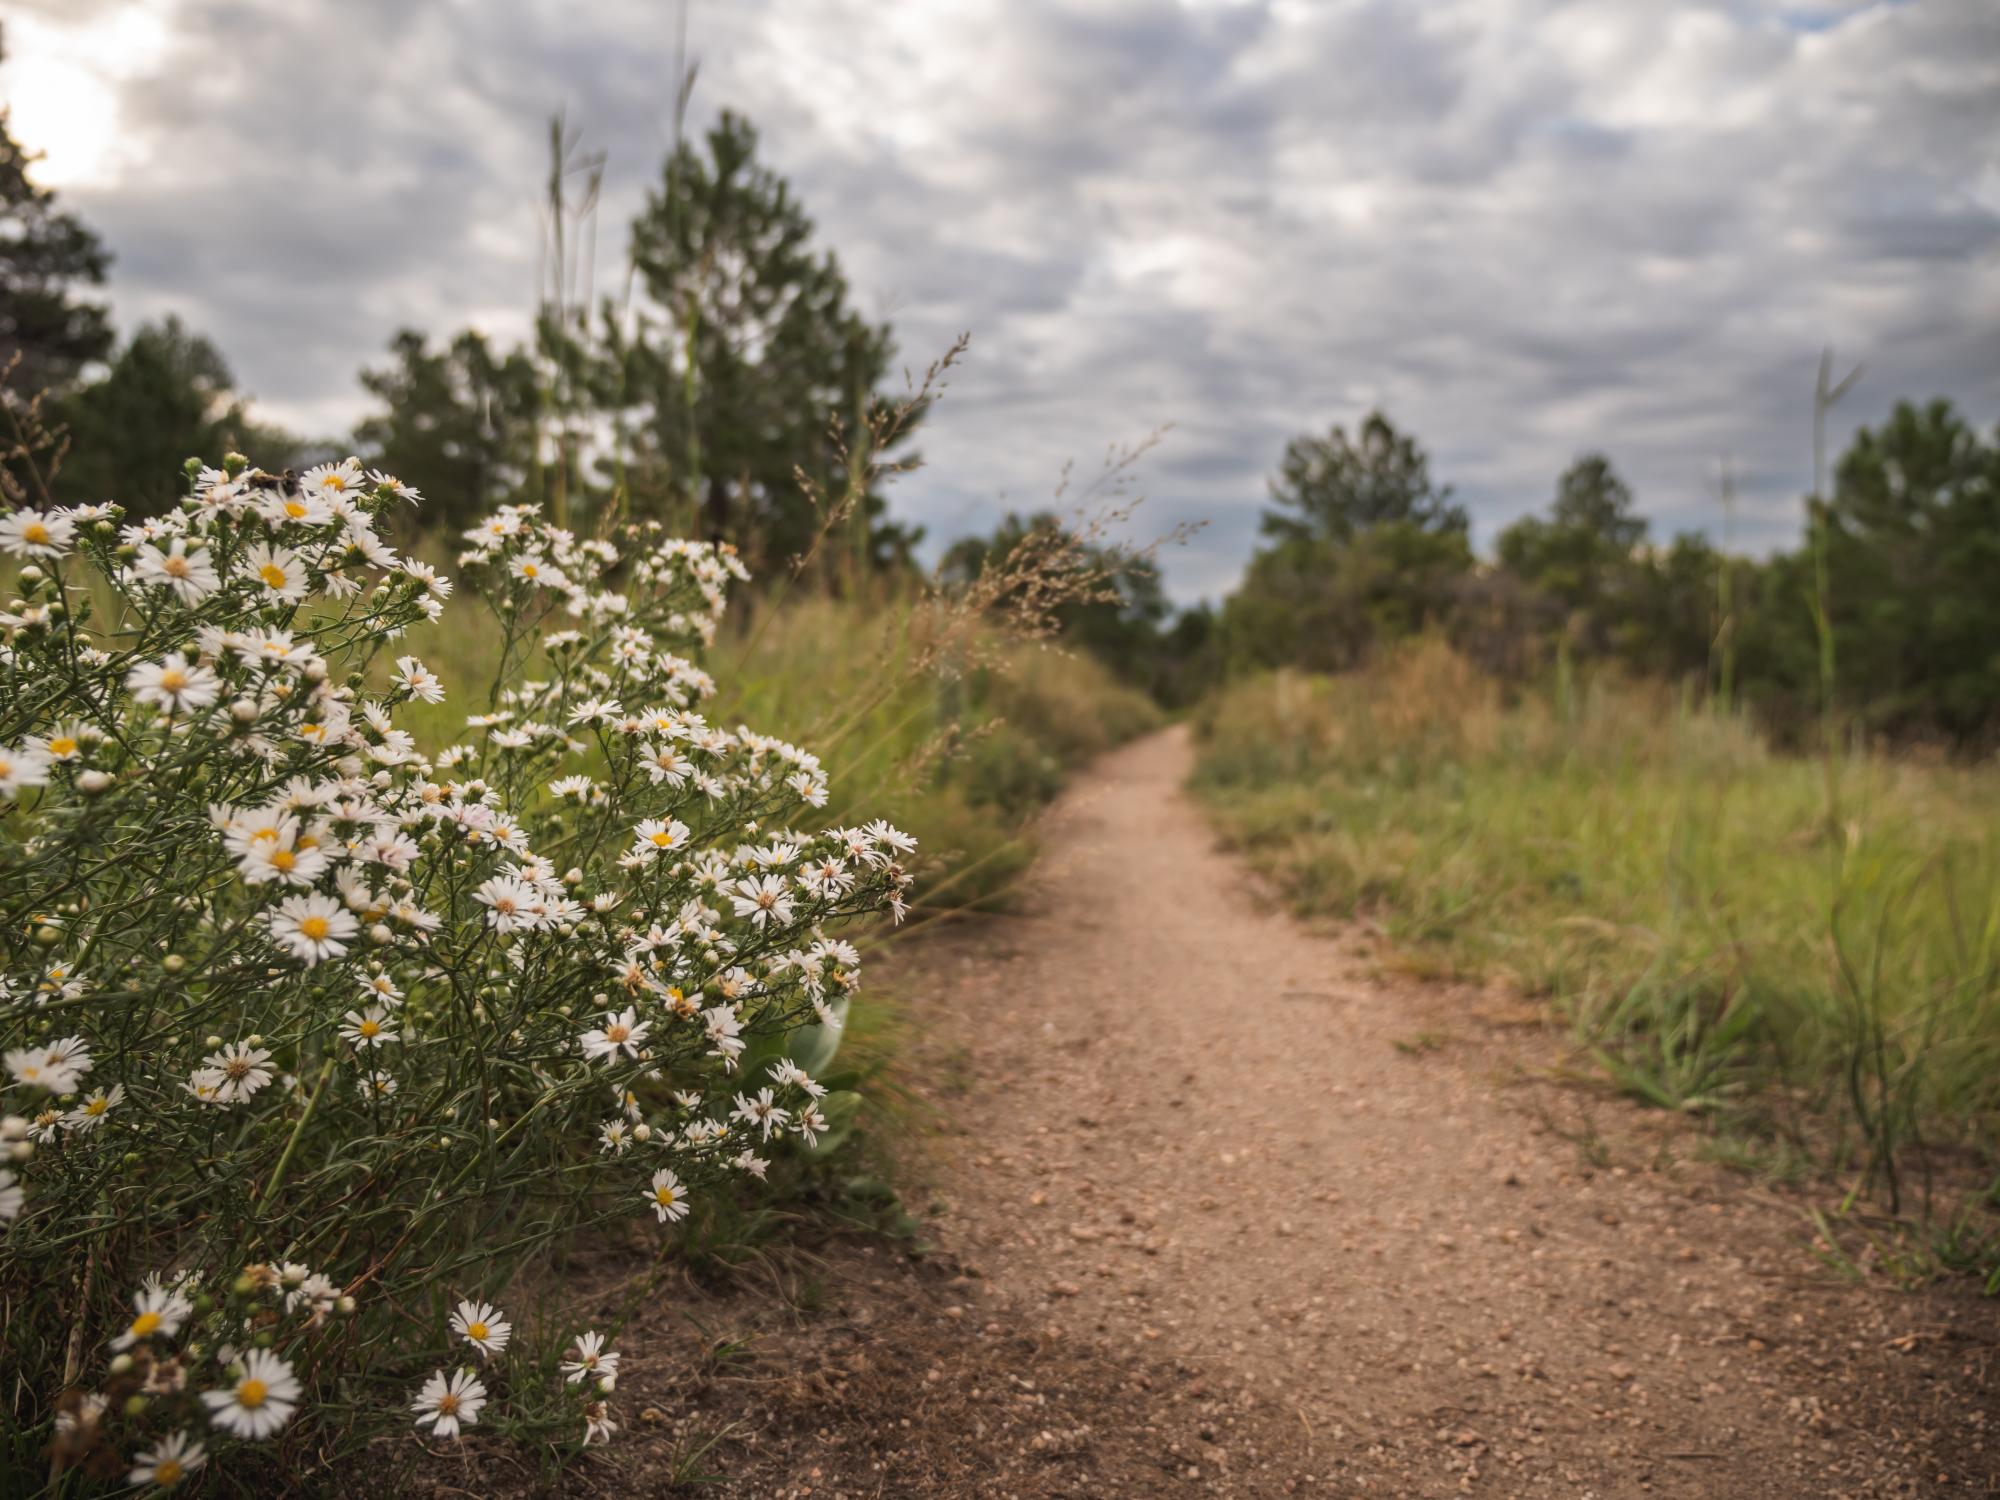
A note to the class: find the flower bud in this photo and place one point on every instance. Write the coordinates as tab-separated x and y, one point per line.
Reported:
212	1042
135	1406
344	1306
47	936
29	577
262	1338
243	711
121	1364
243	1285
642	1132
173	963
380	933
92	782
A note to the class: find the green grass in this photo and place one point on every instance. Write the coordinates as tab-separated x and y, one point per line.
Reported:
1677	890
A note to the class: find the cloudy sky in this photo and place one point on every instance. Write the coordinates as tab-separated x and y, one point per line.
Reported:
1523	227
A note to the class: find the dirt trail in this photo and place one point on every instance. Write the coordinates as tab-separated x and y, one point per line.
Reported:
1368	1212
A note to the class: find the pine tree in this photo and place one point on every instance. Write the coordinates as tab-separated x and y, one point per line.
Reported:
45	255
743	352
168	396
458	424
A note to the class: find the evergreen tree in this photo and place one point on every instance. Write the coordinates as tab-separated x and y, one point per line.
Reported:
459	424
743	350
45	256
168	396
1582	556
1333	487
1913	555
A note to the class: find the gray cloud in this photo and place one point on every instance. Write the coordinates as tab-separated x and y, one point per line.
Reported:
1525	228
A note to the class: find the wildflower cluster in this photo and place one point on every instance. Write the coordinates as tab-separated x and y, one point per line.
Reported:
288	982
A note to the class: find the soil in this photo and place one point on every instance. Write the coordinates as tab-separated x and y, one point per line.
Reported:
1226	1210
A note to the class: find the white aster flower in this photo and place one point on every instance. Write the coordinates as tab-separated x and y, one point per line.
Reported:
590	1360
191	575
237	1072
368	1028
761	1111
278	571
656	836
332	483
260	1402
91	1112
21	769
168	1461
37	533
175	684
511	904
668	1197
762	899
312	928
419	680
157	1312
449	1402
622	1032
480	1325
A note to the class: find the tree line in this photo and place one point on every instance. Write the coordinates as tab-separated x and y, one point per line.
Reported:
1363	547
730	387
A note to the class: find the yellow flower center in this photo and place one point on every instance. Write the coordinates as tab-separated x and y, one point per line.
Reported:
370	1028
237	1067
448	1402
616	1033
663	839
167	1471
296	509
475	1331
98	1104
173	679
251	1393
273	575
174	566
35	531
62	744
315	928
333	482
144	1324
665	1194
283	859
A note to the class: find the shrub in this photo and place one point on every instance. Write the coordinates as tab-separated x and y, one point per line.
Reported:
313	1036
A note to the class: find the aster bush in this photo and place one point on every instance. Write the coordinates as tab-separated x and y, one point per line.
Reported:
311	1032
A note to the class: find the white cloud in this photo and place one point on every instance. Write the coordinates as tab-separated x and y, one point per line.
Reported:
1526	228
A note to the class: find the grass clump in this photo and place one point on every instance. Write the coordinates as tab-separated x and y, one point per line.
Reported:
1675	886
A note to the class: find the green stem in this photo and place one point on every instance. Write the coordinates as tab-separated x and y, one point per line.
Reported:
284	1161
